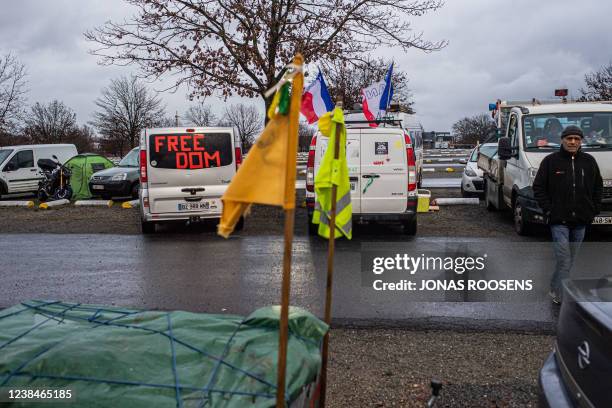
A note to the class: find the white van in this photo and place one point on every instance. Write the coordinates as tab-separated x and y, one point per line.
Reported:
19	172
184	172
382	172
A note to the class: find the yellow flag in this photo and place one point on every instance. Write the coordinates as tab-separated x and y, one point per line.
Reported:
268	174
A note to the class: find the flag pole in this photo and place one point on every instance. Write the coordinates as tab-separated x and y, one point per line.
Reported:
330	268
294	112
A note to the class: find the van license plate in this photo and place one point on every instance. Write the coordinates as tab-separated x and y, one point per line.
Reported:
97	187
602	220
207	205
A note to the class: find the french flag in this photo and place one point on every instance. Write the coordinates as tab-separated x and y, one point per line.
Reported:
375	98
316	100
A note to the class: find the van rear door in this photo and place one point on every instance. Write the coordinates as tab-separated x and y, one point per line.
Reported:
384	171
189	171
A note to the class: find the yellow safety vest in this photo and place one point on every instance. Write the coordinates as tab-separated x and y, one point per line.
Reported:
332	172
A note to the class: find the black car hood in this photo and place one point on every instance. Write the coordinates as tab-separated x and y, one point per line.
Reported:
116	170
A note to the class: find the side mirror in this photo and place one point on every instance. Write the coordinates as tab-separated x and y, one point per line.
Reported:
55	157
504	149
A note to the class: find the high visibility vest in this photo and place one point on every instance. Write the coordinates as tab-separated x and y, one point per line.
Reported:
333	172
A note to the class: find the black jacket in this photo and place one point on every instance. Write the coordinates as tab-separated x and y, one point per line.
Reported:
569	192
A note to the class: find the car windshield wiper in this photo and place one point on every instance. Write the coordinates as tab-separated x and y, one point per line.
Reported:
595	145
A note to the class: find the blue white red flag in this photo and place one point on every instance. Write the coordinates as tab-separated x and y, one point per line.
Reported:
376	98
316	100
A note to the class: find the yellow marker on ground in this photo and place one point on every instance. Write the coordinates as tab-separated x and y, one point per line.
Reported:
450	170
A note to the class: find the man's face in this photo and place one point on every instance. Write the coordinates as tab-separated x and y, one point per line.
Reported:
571	143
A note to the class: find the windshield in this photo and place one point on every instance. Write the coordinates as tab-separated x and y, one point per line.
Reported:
488	151
543	132
130	159
4	153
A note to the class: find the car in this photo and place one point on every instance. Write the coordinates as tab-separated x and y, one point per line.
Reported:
382	173
472	182
578	372
120	181
184	172
19	172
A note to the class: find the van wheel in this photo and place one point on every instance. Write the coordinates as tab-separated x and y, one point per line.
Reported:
521	226
148	227
410	227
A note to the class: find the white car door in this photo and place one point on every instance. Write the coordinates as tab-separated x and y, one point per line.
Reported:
384	171
21	173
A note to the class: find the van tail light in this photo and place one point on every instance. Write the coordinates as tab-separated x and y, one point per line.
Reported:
411	160
143	166
310	164
238	151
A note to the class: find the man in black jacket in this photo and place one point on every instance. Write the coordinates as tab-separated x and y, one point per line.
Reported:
568	187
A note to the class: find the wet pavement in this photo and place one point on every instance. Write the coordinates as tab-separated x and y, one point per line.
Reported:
204	273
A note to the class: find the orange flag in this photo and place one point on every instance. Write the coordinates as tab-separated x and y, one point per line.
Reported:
268	174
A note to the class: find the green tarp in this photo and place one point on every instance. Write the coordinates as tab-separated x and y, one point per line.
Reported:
112	357
82	167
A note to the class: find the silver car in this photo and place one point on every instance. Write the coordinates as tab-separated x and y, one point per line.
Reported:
471	181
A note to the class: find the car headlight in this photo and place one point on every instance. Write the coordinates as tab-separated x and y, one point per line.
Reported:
470	173
119	177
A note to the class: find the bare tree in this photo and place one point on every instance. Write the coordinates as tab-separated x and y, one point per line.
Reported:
82	137
50	123
345	80
598	85
247	119
474	129
240	47
124	109
201	114
12	92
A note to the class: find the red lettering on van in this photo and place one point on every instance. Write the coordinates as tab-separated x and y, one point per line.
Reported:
182	162
215	156
158	143
172	144
192	163
184	146
197	147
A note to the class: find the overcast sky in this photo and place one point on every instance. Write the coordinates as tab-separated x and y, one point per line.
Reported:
510	50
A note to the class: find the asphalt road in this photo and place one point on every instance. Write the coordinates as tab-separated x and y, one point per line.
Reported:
205	273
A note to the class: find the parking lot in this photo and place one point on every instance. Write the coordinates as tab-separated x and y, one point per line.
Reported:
97	265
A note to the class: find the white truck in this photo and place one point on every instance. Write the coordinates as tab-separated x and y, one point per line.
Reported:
532	132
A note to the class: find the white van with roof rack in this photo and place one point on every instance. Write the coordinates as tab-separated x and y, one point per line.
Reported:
383	173
184	172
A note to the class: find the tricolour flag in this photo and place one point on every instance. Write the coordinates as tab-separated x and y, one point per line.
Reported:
268	174
316	100
376	98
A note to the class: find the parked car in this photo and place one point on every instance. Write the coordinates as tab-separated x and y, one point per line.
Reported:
382	171
120	181
184	172
578	373
471	181
19	172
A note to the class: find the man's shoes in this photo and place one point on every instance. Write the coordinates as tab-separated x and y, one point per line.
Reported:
554	297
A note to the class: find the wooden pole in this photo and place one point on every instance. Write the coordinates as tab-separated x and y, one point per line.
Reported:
330	269
284	318
289	206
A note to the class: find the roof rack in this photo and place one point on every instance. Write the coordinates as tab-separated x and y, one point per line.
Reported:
384	121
